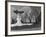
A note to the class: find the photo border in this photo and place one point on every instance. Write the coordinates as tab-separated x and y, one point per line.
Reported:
6	18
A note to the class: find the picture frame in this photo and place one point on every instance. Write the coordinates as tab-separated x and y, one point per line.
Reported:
19	7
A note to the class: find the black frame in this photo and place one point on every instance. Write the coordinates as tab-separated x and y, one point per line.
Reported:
6	24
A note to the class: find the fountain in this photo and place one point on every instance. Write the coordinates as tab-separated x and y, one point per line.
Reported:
19	23
18	17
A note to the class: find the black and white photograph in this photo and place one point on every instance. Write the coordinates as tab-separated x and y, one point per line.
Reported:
25	18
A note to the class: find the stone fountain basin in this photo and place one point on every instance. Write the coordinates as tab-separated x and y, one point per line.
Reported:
20	24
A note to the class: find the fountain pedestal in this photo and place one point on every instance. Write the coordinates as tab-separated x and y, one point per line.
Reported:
18	17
